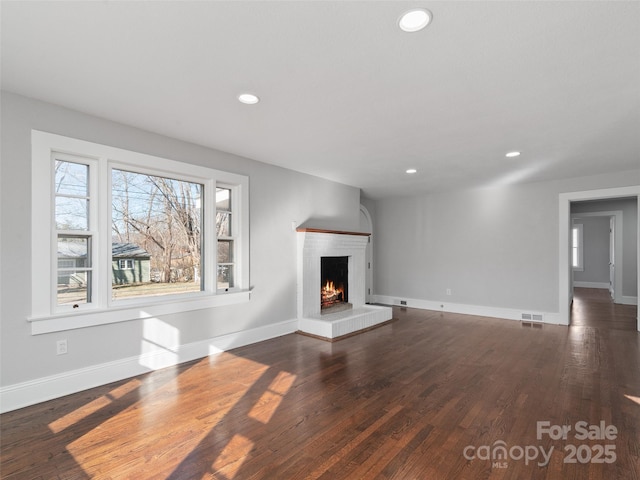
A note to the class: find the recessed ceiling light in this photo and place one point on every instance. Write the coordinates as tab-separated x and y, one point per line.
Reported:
512	154
411	170
414	20
248	98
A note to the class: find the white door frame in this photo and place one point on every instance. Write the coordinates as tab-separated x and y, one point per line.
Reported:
368	293
618	252
564	218
614	264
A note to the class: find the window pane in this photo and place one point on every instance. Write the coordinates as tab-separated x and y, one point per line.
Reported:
72	213
74	250
66	263
574	257
74	274
71	179
225	251
223	224
223	199
74	288
157	235
225	276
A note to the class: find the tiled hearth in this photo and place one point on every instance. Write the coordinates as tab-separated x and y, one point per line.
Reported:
312	246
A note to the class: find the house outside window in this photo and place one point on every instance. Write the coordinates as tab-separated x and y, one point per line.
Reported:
158	213
131	269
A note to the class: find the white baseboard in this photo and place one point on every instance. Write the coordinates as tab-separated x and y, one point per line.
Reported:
628	300
604	285
479	310
39	390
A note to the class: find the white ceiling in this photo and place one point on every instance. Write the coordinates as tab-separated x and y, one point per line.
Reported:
345	94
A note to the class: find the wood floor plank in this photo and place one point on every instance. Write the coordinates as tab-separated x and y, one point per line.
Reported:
399	402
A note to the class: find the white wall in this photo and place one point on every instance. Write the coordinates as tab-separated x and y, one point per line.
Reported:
277	198
493	247
595	241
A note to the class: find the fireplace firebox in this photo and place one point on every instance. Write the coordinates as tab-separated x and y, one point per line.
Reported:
334	286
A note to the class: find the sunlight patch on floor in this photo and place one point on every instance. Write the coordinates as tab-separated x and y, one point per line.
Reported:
633	399
72	418
159	415
282	383
270	400
232	457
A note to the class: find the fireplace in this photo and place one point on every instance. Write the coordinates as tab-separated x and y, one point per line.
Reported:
338	257
334	284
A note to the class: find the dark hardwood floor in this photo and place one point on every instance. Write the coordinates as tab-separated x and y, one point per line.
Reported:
593	307
428	396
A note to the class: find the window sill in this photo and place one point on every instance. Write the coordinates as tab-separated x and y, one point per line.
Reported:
58	323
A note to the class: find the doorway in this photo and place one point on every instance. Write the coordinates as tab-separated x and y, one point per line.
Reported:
564	265
601	249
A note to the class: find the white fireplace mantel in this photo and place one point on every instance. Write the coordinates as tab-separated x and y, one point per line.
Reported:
313	244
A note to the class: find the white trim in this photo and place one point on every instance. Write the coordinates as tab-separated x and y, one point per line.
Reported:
628	300
564	224
368	282
39	390
58	323
477	310
604	285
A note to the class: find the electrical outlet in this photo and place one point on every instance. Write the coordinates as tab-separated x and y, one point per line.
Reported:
61	347
403	302
448	291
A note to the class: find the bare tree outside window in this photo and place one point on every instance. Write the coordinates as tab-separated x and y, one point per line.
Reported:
156	220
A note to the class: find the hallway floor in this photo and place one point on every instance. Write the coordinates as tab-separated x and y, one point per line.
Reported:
593	307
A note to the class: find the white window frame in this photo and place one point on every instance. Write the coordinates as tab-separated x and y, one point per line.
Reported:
234	226
579	248
90	233
126	261
45	315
